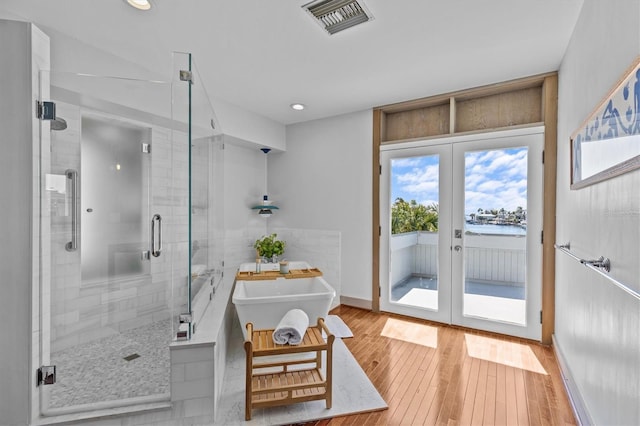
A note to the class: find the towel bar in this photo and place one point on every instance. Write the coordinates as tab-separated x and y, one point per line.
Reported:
598	265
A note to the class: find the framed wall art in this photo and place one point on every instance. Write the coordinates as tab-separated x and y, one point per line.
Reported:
607	144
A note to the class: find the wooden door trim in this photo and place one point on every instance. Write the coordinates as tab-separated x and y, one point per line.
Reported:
548	84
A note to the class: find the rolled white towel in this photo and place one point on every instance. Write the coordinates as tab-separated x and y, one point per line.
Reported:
291	328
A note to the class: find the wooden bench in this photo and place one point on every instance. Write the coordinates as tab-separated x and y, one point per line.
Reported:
285	385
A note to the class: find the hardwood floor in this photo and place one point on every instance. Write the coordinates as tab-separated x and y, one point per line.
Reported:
433	374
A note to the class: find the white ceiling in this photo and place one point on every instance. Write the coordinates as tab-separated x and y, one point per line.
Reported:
263	55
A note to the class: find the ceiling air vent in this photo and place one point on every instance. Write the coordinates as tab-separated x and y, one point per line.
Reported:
338	15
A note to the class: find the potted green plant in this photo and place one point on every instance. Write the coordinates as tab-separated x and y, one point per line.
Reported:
269	247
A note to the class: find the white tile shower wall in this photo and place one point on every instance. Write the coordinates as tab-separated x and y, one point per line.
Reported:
192	373
207	226
200	202
197	374
216	202
81	312
64	279
230	320
176	198
322	249
238	245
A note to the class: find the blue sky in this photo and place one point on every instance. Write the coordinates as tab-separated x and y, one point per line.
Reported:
494	179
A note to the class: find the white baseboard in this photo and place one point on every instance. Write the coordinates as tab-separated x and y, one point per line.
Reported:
575	398
355	302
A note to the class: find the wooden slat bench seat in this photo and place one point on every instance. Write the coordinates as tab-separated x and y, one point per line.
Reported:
286	385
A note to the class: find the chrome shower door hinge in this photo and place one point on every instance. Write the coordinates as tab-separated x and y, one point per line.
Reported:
46	110
186	76
185	318
46	375
185	327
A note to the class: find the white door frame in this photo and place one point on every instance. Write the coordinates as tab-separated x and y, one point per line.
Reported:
450	264
532	328
443	313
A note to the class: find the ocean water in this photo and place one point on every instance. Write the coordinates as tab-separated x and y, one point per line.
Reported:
494	229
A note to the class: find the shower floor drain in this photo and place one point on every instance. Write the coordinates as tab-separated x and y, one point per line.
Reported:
131	357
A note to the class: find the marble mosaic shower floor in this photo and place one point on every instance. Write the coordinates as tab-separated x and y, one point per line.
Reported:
108	369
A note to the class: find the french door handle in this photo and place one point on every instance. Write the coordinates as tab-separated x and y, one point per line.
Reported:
156	252
458	248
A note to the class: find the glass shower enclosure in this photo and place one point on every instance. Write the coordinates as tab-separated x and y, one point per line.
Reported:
130	243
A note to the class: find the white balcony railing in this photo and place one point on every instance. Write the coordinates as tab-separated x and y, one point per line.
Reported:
499	259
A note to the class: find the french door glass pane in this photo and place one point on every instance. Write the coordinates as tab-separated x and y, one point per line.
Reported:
495	242
415	199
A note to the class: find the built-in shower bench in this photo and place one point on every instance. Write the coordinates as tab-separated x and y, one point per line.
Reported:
198	364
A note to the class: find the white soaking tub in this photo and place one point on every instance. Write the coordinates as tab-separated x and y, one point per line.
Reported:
263	303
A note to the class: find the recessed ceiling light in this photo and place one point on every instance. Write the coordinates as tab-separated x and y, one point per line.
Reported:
140	4
297	107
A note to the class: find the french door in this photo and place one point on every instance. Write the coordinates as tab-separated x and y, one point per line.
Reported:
461	223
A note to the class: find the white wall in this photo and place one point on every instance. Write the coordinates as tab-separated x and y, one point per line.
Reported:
248	126
244	171
597	326
323	182
27	50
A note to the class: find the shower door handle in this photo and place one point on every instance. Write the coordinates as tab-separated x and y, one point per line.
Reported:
75	223
156	218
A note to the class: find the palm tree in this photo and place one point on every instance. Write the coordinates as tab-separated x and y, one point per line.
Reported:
411	216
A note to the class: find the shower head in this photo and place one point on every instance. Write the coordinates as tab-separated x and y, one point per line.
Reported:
58	124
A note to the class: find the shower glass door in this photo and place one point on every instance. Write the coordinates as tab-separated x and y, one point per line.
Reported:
199	175
115	205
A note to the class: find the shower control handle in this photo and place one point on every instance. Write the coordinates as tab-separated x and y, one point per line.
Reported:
156	219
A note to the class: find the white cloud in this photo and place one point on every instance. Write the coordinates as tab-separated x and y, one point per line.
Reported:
420	182
494	179
497	161
419	175
471	181
421	187
509	200
406	162
490	186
